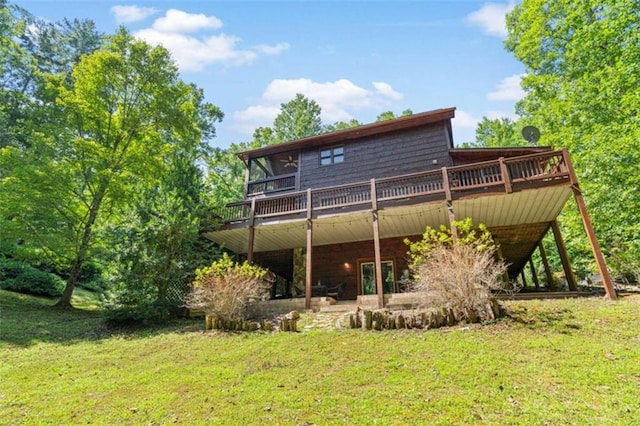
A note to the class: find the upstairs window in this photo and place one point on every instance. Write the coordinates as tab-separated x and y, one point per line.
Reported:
333	155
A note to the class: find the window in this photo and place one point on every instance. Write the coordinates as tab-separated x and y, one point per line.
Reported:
331	155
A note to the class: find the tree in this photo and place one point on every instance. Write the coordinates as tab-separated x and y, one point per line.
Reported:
582	76
33	48
299	118
341	125
124	112
31	123
497	133
390	115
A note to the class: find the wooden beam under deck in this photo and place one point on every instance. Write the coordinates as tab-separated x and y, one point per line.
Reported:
376	245
564	257
309	258
591	234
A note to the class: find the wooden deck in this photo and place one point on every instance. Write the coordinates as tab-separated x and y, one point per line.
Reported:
505	175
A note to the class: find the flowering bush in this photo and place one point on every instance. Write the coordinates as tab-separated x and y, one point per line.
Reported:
224	288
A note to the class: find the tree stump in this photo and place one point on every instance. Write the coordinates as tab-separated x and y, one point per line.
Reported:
450	317
208	322
266	325
400	323
368	319
290	321
287	324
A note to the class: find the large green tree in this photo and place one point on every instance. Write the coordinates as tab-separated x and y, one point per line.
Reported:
125	111
582	86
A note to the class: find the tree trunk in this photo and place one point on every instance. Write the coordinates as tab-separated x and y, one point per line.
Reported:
65	299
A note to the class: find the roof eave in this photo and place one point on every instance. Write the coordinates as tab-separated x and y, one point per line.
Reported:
364	130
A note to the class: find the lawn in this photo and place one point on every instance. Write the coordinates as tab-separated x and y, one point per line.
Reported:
574	361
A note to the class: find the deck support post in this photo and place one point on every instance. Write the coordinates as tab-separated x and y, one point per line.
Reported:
252	231
505	276
551	286
376	245
564	258
447	193
308	259
588	227
524	279
534	276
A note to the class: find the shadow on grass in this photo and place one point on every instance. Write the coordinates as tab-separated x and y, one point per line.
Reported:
27	320
561	320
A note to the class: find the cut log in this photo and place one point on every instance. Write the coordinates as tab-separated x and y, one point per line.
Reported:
368	319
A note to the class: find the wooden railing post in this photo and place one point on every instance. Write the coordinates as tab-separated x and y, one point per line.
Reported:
506	176
445	184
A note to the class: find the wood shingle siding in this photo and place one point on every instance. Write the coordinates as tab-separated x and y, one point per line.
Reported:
390	154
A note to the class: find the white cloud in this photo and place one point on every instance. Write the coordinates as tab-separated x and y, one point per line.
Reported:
248	120
272	49
338	99
177	21
491	18
185	36
465	120
464	127
194	54
386	90
509	89
127	14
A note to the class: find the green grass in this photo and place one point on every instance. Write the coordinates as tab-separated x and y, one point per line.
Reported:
557	362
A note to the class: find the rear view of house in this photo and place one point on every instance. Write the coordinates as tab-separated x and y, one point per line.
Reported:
329	214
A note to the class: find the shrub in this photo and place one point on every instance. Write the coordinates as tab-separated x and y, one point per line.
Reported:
459	275
128	304
224	288
23	278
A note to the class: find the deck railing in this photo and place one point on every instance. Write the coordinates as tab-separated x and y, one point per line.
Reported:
272	184
502	175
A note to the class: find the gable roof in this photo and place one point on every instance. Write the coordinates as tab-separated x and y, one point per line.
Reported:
402	123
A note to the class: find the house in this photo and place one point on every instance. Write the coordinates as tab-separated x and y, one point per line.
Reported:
329	213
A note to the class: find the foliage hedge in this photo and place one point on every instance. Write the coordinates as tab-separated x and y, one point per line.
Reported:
21	277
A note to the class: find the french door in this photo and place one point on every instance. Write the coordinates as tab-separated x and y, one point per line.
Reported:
368	277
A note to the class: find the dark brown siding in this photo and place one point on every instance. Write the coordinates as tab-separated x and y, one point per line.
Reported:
386	155
337	263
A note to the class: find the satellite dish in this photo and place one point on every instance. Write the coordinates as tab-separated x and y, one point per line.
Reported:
531	134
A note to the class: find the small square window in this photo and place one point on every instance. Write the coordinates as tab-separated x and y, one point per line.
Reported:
332	156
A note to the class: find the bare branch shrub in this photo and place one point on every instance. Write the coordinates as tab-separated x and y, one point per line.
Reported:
224	288
460	278
458	274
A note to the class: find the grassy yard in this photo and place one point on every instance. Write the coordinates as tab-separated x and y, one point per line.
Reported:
550	363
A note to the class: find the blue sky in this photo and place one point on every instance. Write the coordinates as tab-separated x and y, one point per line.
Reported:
355	58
